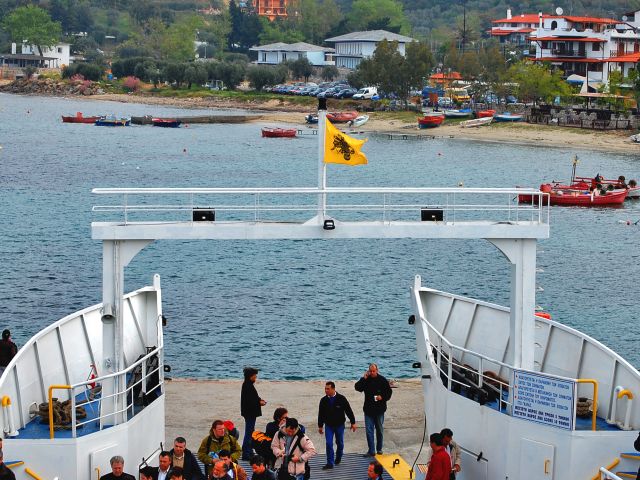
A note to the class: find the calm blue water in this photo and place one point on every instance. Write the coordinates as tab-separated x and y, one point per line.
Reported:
295	309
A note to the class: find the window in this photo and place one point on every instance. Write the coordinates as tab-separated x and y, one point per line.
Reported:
554	25
595	47
59	49
264	56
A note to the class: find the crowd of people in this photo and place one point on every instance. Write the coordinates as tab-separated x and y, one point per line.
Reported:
283	450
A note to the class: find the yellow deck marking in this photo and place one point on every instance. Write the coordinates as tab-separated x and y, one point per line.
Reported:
398	472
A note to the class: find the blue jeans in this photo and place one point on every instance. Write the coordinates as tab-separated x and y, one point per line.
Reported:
375	422
249	427
329	433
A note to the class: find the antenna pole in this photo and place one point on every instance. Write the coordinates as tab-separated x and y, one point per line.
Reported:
322	167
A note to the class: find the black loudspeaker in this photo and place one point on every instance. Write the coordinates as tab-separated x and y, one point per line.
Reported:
202	215
431	214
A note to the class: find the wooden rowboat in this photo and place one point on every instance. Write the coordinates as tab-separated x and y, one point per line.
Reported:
270	132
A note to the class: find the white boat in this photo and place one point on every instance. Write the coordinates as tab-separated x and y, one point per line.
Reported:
358	121
462	113
635	138
476	122
505	381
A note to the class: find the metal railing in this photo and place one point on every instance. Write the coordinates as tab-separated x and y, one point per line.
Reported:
131	386
297	204
467	376
607	475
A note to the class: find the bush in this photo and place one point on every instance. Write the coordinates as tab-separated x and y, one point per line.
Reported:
88	71
30	71
329	72
231	73
132	84
260	76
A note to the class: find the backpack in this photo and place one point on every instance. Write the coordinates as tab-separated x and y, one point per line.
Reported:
261	443
300	434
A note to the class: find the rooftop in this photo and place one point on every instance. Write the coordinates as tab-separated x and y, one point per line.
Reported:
291	47
371	36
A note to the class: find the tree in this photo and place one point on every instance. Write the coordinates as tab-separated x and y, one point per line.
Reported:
177	42
245	28
195	73
536	82
369	14
301	68
174	73
317	19
279	31
329	72
33	26
260	76
231	73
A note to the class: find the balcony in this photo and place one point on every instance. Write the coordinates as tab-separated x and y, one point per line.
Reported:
562	52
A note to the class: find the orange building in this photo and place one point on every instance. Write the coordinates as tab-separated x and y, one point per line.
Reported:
272	9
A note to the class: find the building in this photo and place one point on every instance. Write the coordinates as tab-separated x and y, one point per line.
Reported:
57	56
351	48
590	47
276	53
271	9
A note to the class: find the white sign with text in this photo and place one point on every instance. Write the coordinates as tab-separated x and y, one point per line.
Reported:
543	399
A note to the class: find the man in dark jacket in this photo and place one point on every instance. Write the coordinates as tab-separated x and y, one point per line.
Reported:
377	393
260	470
8	350
250	408
183	458
5	472
331	415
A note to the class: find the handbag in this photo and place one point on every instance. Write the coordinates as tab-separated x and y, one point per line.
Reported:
283	473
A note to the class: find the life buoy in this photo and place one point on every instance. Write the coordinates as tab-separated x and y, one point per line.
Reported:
543	315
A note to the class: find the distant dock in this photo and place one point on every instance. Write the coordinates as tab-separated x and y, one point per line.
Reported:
147	119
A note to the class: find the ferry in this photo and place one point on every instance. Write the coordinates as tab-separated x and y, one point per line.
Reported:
512	385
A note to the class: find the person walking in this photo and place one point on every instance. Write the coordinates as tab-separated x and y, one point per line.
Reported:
250	408
333	409
377	392
440	464
8	350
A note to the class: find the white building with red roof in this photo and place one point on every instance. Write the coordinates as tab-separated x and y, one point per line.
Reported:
590	47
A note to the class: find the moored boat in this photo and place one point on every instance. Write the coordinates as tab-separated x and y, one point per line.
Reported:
507	117
113	121
79	118
431	120
460	113
621	183
311	119
166	122
485	113
272	132
341	117
476	122
358	121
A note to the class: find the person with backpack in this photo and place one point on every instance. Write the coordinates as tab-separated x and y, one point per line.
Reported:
292	450
250	408
218	439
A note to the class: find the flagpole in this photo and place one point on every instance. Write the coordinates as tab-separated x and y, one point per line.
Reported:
322	167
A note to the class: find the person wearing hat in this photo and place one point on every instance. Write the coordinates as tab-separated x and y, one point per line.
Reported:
8	350
250	408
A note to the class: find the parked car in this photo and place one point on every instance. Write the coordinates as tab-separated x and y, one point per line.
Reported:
346	93
511	99
366	92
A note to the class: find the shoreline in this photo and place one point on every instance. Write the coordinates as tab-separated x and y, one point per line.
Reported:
200	402
523	134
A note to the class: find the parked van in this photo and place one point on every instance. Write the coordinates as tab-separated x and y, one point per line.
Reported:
366	92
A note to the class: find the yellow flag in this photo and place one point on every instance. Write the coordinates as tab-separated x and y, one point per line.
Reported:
341	148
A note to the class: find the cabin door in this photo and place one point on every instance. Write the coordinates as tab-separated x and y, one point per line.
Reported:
100	458
536	460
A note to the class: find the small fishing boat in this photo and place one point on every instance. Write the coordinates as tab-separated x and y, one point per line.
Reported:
271	132
358	121
79	118
485	113
566	195
507	117
311	119
341	117
461	113
113	121
476	122
620	183
431	120
166	122
635	138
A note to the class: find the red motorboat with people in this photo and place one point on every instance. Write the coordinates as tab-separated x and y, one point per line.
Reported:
341	117
272	132
583	191
79	118
431	120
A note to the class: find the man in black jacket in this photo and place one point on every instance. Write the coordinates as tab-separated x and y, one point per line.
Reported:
331	415
183	458
377	393
250	408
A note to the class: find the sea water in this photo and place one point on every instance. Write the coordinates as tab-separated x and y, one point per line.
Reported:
294	309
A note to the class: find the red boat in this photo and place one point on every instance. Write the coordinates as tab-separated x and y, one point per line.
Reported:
341	117
430	121
485	113
166	122
270	132
569	195
79	118
620	183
